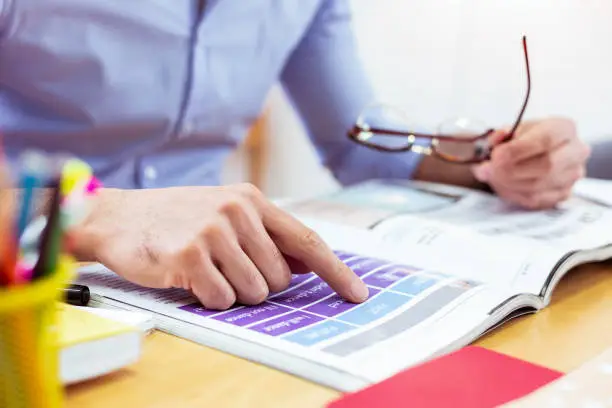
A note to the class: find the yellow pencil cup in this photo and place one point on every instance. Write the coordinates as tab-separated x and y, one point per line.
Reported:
29	352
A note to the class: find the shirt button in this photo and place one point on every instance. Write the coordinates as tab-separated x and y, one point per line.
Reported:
150	173
189	127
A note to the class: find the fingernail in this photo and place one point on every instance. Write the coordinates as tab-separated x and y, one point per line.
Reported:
482	172
359	290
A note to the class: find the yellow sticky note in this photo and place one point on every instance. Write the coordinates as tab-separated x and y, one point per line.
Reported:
75	172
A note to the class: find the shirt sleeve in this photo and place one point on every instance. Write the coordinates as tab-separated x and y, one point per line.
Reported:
4	16
327	83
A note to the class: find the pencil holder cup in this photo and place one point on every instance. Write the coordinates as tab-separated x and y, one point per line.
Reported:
29	349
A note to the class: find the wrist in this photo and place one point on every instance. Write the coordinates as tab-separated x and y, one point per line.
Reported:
437	171
88	236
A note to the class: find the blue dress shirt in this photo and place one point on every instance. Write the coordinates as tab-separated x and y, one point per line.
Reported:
155	93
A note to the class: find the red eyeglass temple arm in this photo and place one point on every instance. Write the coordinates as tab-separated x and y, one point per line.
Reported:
354	133
356	130
520	116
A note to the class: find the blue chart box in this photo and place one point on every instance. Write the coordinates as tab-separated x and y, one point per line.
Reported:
414	285
374	309
318	333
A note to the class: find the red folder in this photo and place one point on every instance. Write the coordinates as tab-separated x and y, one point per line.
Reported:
471	377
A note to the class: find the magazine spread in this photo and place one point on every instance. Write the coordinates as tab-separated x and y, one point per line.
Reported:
472	230
443	266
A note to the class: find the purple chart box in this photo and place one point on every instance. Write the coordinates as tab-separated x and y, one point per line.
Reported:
198	309
388	275
343	255
306	294
361	266
296	279
286	323
335	305
252	314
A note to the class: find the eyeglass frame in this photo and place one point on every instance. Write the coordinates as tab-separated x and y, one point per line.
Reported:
483	150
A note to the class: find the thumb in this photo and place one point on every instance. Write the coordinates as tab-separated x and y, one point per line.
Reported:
498	136
482	172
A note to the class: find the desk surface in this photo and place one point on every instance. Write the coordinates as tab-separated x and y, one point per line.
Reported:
173	372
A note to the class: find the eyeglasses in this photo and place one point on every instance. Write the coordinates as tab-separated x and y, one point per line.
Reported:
385	128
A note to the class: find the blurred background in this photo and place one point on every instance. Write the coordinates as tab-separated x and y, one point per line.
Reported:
440	59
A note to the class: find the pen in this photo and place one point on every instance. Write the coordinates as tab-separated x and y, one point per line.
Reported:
31	179
77	295
7	242
49	242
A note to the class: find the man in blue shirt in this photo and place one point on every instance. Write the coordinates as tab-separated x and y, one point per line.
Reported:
155	94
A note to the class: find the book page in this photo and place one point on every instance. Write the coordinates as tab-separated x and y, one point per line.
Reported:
481	236
595	190
367	205
572	225
575	224
412	313
506	261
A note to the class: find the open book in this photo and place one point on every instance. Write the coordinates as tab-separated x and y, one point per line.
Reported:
444	265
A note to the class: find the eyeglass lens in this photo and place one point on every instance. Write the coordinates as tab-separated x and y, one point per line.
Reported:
455	149
377	117
388	127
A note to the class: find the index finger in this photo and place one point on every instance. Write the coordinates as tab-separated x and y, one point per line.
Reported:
535	141
302	243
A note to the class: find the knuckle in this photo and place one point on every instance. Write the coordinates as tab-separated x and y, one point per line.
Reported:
213	232
189	255
249	191
547	141
310	239
548	164
232	206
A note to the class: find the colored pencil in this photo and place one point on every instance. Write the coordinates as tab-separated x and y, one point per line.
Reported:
7	244
51	234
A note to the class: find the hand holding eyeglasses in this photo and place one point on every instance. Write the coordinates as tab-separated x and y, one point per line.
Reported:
539	166
533	164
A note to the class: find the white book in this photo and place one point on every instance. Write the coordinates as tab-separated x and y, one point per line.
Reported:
444	265
94	344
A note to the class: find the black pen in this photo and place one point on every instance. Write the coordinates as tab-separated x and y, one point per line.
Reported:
46	247
77	295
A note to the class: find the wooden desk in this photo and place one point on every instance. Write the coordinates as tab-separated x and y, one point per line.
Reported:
176	373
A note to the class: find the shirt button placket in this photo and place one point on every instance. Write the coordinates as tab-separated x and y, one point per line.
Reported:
188	128
150	175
